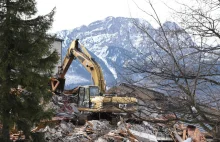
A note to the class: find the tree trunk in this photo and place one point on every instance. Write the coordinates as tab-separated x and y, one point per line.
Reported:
5	137
216	137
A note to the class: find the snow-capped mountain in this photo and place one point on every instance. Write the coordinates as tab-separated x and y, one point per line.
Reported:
111	41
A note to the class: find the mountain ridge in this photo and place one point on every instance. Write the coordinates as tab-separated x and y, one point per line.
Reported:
111	42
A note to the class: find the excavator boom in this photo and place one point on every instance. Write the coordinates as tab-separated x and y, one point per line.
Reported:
78	51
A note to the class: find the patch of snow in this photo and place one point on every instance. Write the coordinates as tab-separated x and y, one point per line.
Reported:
98	29
114	58
102	53
113	71
109	26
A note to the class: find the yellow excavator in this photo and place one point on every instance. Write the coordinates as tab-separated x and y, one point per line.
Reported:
91	98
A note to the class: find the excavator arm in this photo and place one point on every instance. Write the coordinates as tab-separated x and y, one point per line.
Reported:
78	51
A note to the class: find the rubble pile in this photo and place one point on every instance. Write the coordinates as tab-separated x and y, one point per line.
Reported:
53	134
143	127
120	135
99	131
67	132
103	131
94	130
62	107
16	136
129	132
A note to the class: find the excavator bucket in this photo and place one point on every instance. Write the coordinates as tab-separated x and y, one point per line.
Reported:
57	85
61	85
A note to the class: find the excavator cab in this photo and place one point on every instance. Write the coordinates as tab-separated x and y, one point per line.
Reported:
85	93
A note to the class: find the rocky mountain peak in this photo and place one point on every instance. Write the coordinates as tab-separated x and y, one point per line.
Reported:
110	41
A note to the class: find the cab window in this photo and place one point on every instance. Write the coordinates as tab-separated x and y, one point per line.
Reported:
94	91
87	94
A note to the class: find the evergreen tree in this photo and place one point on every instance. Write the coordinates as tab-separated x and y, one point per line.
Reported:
25	60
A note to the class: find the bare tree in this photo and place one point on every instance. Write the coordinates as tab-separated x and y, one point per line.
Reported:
182	63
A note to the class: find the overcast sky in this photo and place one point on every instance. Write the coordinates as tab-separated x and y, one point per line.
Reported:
74	13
